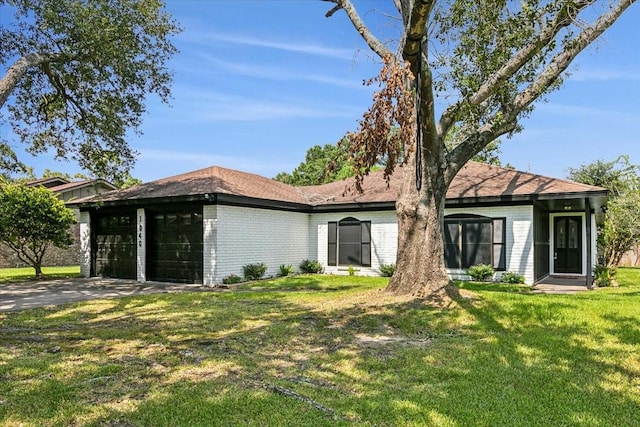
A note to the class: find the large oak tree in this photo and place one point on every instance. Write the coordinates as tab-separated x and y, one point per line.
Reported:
494	59
77	74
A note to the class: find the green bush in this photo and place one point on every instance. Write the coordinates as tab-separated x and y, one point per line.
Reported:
310	266
231	279
254	271
511	277
387	270
351	270
481	272
604	276
285	270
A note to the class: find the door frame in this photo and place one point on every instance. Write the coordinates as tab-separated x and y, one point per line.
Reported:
583	241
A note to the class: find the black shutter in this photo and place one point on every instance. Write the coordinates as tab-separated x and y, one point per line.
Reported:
333	243
451	244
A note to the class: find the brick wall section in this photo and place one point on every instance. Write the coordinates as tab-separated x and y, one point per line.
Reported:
384	239
519	238
141	245
85	244
249	236
210	231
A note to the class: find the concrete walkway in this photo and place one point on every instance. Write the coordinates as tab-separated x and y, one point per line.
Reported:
25	295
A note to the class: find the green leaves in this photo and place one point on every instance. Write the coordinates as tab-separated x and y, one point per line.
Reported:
32	218
98	61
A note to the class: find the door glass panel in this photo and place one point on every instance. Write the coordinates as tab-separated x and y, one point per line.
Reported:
562	235
573	234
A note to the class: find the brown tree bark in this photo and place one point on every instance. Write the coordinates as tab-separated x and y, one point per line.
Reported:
420	269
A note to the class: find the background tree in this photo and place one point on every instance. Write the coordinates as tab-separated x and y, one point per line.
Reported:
494	59
322	164
31	220
621	230
77	75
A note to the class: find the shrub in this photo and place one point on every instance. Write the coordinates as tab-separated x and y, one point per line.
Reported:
480	272
231	279
387	270
351	270
511	277
604	276
310	266
285	270
254	271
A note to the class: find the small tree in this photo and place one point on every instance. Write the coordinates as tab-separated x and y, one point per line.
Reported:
32	219
621	230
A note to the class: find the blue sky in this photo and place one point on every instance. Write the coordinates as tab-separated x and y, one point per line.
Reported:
259	82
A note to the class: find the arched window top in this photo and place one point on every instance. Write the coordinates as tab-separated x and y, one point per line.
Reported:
349	221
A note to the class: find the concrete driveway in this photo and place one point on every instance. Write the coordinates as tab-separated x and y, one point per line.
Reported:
25	295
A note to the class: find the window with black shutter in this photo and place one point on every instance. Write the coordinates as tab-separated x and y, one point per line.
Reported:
471	240
349	242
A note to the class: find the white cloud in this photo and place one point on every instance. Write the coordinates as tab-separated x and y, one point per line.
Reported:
275	73
203	106
303	48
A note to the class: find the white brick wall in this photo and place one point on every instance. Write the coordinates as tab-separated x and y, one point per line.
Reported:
141	245
209	250
85	244
384	239
249	236
519	238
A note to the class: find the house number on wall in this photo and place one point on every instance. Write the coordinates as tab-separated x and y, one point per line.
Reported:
140	232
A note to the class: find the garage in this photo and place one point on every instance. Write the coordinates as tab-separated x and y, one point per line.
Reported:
114	250
174	245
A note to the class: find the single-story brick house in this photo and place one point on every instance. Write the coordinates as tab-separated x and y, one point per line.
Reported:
202	226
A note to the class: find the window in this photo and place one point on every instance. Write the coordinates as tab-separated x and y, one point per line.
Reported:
471	240
349	242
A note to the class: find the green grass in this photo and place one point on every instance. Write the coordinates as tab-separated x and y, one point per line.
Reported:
8	275
324	351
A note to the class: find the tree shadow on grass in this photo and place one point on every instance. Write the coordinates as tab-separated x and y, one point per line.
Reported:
219	358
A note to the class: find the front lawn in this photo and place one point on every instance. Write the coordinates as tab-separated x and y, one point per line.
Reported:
327	350
27	273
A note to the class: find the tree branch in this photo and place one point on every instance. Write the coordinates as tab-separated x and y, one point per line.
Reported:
561	61
415	32
562	19
19	68
372	41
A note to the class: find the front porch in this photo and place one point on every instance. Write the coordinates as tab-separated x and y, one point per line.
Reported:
553	284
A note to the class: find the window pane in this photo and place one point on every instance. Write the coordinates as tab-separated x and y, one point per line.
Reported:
366	254
499	258
348	253
476	243
476	253
365	232
498	230
350	233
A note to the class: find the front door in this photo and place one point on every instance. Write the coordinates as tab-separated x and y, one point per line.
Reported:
567	244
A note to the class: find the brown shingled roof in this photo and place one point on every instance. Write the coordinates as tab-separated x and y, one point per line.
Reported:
475	180
212	180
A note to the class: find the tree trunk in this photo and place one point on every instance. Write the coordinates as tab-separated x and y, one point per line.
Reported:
38	268
420	269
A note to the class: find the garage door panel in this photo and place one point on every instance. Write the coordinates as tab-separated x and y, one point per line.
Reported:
174	245
115	249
